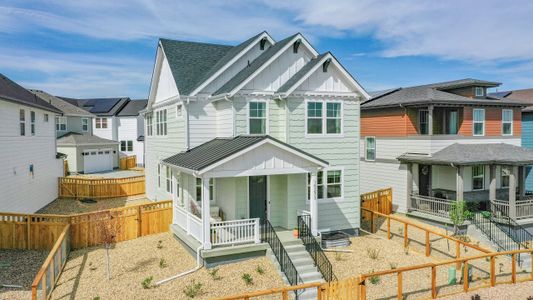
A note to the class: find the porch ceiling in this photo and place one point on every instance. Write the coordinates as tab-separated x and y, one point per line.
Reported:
473	154
244	156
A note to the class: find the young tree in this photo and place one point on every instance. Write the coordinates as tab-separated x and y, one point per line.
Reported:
458	215
109	225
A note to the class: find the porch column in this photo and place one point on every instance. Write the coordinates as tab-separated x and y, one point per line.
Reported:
512	192
492	185
409	185
459	184
206	214
313	205
522	181
430	120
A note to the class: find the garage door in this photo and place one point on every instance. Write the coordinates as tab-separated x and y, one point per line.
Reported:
97	160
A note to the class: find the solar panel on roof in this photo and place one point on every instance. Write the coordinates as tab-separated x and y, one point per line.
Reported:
101	105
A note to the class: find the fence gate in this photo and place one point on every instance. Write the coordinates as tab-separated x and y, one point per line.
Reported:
380	201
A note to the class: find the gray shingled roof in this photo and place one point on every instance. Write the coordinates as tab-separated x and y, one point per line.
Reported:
12	92
73	139
217	149
470	154
525	96
190	62
66	107
300	74
434	93
256	64
132	108
453	84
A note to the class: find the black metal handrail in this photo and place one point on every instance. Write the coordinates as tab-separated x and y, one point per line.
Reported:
268	235
313	247
515	231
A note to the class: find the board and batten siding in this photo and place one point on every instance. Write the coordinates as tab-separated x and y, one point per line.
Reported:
21	191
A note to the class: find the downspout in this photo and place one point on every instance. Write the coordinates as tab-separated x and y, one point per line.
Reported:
199	265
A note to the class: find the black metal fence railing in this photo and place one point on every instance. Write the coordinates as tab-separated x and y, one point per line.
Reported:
268	235
313	247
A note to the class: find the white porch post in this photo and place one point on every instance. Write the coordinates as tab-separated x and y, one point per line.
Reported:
492	186
409	186
430	120
512	192
522	181
459	184
206	214
313	205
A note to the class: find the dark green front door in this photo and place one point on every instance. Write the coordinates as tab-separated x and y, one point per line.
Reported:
258	196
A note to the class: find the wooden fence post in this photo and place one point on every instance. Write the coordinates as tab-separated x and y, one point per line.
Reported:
371	221
434	282
405	235
28	231
492	271
458	254
465	276
400	286
428	245
139	221
388	228
362	285
513	268
531	253
284	295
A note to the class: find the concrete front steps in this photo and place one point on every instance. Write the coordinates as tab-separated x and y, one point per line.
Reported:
302	260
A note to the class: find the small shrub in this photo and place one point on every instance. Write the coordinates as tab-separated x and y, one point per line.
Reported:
487	259
339	256
214	274
501	267
160	244
147	282
393	265
374	280
163	263
96	298
194	289
248	279
475	297
372	253
260	270
530	298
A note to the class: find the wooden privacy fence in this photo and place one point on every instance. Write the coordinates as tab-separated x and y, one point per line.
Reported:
101	188
380	201
46	279
128	162
34	232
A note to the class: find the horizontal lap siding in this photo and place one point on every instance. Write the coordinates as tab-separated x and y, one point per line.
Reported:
527	142
493	122
386	122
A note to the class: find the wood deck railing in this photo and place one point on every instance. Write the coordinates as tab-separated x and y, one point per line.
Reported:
128	162
70	187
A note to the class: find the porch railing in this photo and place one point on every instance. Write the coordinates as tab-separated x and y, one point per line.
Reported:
499	208
235	232
431	205
188	222
524	208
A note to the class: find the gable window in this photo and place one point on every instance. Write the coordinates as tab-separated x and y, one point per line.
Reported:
22	121
46	118
169	179
101	123
84	124
161	122
507	121
479	91
333	117
179	110
319	185
478	177
61	124
32	122
314	117
423	121
257	118
370	148
149	125
506	171
126	145
199	189
479	122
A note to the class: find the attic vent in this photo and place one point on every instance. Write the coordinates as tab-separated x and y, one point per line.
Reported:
325	65
262	43
295	46
248	63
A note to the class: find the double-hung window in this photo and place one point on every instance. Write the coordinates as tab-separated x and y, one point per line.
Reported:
506	171
478	122
161	122
61	124
199	189
169	179
319	185
478	177
479	91
84	124
149	125
257	120
126	145
507	121
100	123
329	184
22	121
32	122
324	117
423	121
370	148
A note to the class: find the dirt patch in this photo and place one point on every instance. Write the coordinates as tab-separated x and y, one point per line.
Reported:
84	276
74	206
19	267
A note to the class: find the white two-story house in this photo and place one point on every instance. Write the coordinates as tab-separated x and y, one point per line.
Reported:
263	130
29	163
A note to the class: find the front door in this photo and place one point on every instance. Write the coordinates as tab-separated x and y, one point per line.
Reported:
424	180
258	197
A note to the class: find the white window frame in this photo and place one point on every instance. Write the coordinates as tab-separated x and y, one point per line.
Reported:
86	120
324	119
474	121
482	176
99	123
161	122
507	122
478	88
149	124
366	148
502	175
198	185
32	122
22	122
248	117
60	122
325	186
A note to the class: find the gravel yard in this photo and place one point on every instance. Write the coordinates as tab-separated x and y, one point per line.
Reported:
73	206
133	261
19	267
504	291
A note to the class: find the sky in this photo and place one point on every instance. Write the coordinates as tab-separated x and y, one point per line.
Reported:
93	48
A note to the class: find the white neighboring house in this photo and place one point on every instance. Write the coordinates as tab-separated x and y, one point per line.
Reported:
29	164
